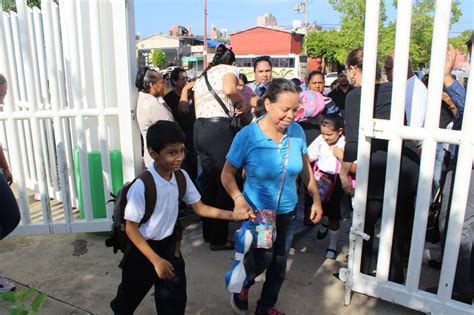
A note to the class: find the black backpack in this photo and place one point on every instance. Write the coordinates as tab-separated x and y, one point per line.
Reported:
118	239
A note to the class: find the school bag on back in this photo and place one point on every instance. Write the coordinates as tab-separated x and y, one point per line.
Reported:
119	239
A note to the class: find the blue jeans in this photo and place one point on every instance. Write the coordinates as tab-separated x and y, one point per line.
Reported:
438	168
273	260
9	212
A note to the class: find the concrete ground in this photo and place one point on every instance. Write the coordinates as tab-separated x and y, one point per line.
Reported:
81	275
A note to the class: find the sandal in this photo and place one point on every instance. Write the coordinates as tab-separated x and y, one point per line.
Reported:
322	235
331	253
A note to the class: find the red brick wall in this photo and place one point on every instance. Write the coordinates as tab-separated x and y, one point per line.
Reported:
261	41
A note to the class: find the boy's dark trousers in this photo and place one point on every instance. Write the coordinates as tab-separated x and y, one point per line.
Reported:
139	275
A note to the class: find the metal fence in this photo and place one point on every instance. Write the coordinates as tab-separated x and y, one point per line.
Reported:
69	67
395	132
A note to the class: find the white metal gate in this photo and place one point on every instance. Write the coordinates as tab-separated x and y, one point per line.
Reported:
394	130
69	68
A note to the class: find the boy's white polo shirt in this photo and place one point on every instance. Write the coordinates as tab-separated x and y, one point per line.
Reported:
164	216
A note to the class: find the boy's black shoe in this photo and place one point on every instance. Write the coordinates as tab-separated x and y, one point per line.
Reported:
323	231
240	301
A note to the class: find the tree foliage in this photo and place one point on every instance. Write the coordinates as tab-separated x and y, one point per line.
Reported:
10	5
334	45
459	42
158	58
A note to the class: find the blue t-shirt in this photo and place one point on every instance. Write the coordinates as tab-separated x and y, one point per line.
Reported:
263	160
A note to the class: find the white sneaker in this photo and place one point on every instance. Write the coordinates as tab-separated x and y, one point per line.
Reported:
5	285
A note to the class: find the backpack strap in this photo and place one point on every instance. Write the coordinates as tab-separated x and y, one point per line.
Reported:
150	195
181	181
150	191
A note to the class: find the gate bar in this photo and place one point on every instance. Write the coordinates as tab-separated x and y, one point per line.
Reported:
100	99
7	62
423	198
51	57
464	167
397	114
367	99
31	60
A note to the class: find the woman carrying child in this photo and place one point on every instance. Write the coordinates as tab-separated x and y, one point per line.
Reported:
327	152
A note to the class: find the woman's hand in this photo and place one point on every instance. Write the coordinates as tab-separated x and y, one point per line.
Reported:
316	212
449	103
346	184
338	152
189	86
242	210
449	65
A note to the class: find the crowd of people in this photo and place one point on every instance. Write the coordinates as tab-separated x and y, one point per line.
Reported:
297	133
258	144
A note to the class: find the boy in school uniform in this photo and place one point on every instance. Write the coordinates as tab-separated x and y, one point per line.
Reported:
153	258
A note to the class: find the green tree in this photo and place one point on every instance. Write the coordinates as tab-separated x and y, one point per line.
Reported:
10	5
459	42
335	45
158	58
422	28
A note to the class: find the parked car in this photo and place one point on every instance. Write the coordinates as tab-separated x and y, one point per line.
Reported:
169	69
330	78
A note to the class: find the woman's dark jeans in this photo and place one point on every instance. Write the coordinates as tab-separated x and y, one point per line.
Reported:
273	260
9	212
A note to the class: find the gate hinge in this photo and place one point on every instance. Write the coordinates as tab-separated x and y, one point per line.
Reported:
375	129
356	233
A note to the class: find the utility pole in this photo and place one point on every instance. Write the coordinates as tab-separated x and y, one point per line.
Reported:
205	34
302	7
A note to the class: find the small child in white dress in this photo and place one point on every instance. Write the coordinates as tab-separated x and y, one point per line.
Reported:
327	151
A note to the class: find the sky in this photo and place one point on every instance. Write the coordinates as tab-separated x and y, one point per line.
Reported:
155	16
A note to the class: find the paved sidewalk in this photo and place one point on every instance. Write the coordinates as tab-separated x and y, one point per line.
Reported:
81	276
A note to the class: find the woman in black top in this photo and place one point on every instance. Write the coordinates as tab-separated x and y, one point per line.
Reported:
409	170
180	100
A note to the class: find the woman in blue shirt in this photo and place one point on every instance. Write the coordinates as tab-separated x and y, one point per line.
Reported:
261	150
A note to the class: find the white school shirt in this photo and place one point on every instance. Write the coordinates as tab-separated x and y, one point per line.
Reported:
416	97
319	151
163	219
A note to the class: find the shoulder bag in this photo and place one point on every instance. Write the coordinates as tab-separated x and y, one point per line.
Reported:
263	227
235	121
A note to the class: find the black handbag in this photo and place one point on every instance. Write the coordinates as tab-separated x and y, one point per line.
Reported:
432	228
235	121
